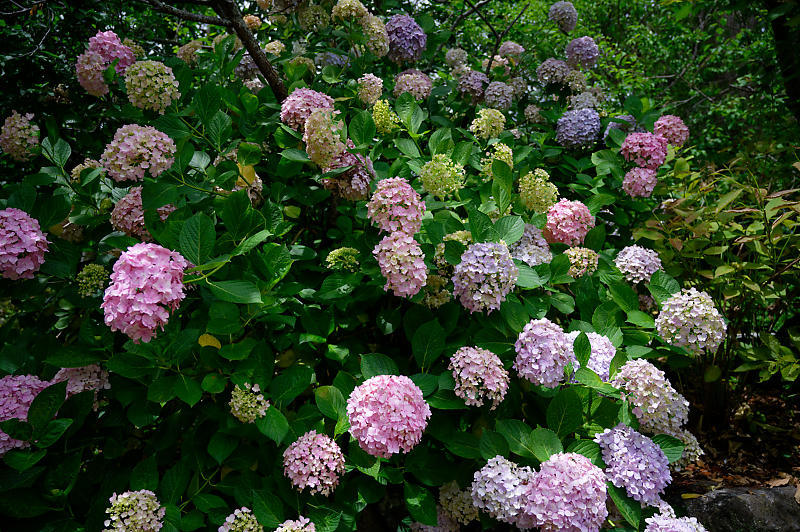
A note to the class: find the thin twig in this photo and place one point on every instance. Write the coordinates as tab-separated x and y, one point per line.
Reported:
187	15
500	37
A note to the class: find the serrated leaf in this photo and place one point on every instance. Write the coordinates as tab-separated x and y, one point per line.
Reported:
235	291
565	412
544	443
428	343
377	364
197	239
672	447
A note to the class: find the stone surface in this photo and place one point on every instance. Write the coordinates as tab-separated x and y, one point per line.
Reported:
748	510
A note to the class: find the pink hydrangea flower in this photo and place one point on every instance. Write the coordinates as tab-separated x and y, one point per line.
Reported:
568	222
414	82
402	263
151	85
396	207
485	276
146	284
637	263
128	215
109	47
353	183
602	353
22	244
17	392
302	524
314	461
479	375
136	149
137	511
645	149
640	182
241	520
87	378
543	352
298	106
673	129
19	136
387	415
89	70
498	488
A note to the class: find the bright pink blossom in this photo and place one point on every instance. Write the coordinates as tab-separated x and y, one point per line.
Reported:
645	149
568	222
22	244
396	207
314	461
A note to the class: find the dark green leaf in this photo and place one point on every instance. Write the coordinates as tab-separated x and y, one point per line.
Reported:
672	447
22	460
45	405
144	476
493	444
463	444
421	504
362	128
544	443
197	239
630	509
235	291
330	402
377	364
267	509
273	425
509	228
291	383
565	412
517	434
662	286
221	446
583	349
52	432
427	343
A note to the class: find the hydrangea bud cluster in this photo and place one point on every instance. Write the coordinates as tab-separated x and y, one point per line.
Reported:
533	114
396	206
575	81
134	511
645	150
536	191
436	293
455	57
151	85
444	523
302	524
640	182
146	284
109	47
441	176
673	129
464	237
498	488
584	100
543	352
602	353
136	149
582	52
352	184
511	49
479	375
348	10
473	83
637	263
22	244
406	39
322	136
564	15
498	95
635	463
582	261
135	47
552	71
17	392
87	378
91	279
275	47
300	104
568	222
87	164
690	320
499	152
313	18
656	404
343	259
387	415
531	248
377	36
416	83
128	215
188	52
370	88
457	503
489	123
402	263
314	461
241	520
385	119
669	523
485	276
248	403
19	136
568	493
578	128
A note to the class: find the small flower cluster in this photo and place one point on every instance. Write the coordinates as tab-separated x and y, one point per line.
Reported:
303	524
19	136
498	62
602	353
343	259
324	59
151	85
479	375
396	206
314	461
441	176
485	276
499	152
134	511
552	71
637	263
533	114
578	128
510	49
188	52
564	15
472	83
300	104
252	22
136	149
499	95
543	352
313	18
640	182
536	191
322	136
690	320
673	129
519	86
670	523
582	261
353	183
575	81
241	520
87	378
135	47
436	293
498	488
385	119
584	100
457	503
275	47
582	52
247	69
128	215
406	39
646	150
455	57
146	284
248	403
624	123
416	83
489	123
17	392
402	263
531	248
370	88
387	415
91	279
348	10
311	68
87	164
22	244
568	222
377	35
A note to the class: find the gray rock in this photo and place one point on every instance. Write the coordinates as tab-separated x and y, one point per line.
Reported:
747	510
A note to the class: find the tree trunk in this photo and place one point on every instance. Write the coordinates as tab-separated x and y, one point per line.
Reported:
787	44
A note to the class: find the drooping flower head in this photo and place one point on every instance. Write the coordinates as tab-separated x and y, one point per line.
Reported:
300	104
396	206
489	123
531	248
385	119
248	403
370	88
136	149
22	244
645	149
582	52
543	352
640	182
134	511
637	263
457	503
498	488
314	461
402	263
414	82
499	95
406	39
322	135
564	15
582	261
128	215
537	192
601	355
673	129
302	524
690	320
485	276
568	222
387	415
146	284
17	392
578	128
241	520
377	36
353	183
552	71
19	136
479	376
442	176
472	83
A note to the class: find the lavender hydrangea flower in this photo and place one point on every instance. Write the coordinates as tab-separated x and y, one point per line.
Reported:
667	522
498	488
479	375
17	392
485	276
498	95
543	352
532	248
406	39
402	263
582	52
690	320
637	263
602	353
473	83
300	104
552	71
578	128
22	244
564	15
511	49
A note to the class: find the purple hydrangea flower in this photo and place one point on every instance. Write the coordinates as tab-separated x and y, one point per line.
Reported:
485	276
578	128
22	244
582	52
17	392
565	15
498	488
406	39
637	263
543	352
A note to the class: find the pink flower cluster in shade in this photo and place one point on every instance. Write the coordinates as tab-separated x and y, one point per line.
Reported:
402	263
396	207
128	215
353	183
108	45
479	375
387	415
18	136
645	150
135	150
485	276
302	524
498	488
87	378
602	353
673	129
414	82
241	520
299	105
146	284
637	263
17	392
543	352
568	222
640	182
104	48
22	244
314	461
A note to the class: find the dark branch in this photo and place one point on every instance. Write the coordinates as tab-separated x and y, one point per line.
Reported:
500	37
186	15
464	14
